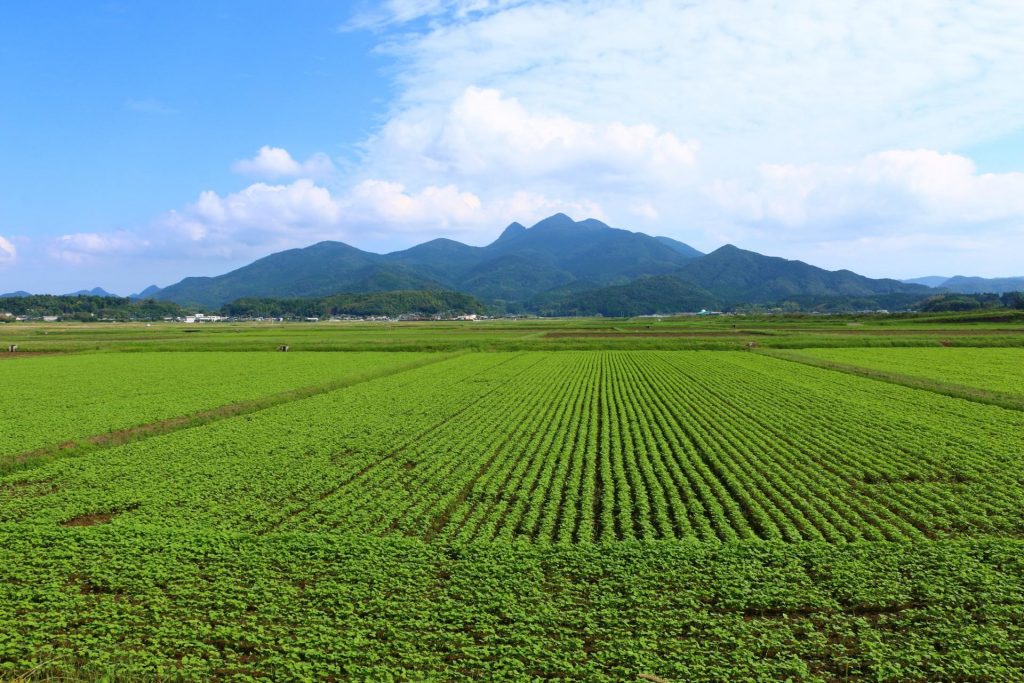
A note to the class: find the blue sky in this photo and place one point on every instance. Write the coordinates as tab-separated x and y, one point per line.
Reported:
144	142
129	109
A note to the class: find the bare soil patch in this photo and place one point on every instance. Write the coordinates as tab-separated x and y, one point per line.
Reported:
94	518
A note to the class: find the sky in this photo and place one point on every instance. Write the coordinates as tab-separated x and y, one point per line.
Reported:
142	142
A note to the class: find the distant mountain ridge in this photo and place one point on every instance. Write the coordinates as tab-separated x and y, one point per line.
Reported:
520	264
927	281
557	265
981	285
961	284
739	276
148	293
95	291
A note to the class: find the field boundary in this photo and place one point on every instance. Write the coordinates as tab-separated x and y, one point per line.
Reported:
87	444
961	391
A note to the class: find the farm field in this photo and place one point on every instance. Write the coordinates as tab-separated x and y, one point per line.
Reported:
570	447
682	333
47	400
516	515
164	605
1000	370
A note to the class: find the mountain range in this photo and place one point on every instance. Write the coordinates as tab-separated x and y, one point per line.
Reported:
563	267
961	284
517	266
557	265
148	293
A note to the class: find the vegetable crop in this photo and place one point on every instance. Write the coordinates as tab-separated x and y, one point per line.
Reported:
583	515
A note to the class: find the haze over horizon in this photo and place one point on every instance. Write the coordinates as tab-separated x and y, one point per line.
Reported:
144	143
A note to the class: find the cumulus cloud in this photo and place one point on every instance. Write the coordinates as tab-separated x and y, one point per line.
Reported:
8	253
494	139
891	213
263	218
789	82
274	162
389	204
890	190
384	207
245	224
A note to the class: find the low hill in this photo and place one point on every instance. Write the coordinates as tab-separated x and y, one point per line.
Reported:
389	304
982	285
95	291
644	296
89	307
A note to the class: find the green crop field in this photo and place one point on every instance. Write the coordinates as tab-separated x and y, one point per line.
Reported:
1000	370
537	510
54	399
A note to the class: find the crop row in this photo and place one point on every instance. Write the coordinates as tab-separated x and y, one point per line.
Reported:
570	447
616	446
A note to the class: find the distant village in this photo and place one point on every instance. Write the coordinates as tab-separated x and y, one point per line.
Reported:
412	317
205	318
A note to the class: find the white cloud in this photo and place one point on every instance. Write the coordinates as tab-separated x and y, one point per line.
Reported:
83	247
756	82
388	204
274	162
645	210
495	140
263	218
895	190
892	213
8	253
391	12
380	208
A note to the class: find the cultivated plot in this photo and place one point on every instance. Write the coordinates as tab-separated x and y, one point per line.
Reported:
570	447
50	399
997	370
